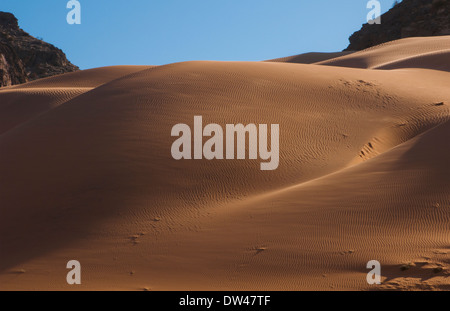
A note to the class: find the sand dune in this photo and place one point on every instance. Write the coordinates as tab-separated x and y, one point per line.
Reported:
84	78
435	60
363	175
405	53
18	106
309	58
21	103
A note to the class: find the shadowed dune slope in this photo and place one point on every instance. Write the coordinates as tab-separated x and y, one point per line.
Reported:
83	78
18	106
21	103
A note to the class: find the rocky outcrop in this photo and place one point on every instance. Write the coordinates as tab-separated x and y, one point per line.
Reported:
409	18
24	58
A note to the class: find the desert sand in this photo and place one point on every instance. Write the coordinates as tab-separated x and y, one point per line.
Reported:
87	174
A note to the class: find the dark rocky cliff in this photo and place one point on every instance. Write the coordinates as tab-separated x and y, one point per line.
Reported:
409	18
24	58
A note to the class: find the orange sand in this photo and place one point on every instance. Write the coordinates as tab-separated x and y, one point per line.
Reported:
87	174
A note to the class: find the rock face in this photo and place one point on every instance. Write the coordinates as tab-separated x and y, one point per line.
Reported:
24	58
409	18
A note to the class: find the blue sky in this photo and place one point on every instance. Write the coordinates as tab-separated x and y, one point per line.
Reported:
156	32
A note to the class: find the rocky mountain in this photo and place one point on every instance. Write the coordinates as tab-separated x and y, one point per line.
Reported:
24	58
409	18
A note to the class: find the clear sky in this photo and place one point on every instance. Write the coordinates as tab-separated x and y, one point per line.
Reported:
155	32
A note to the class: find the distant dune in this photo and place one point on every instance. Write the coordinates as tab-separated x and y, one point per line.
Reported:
309	58
426	52
87	174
